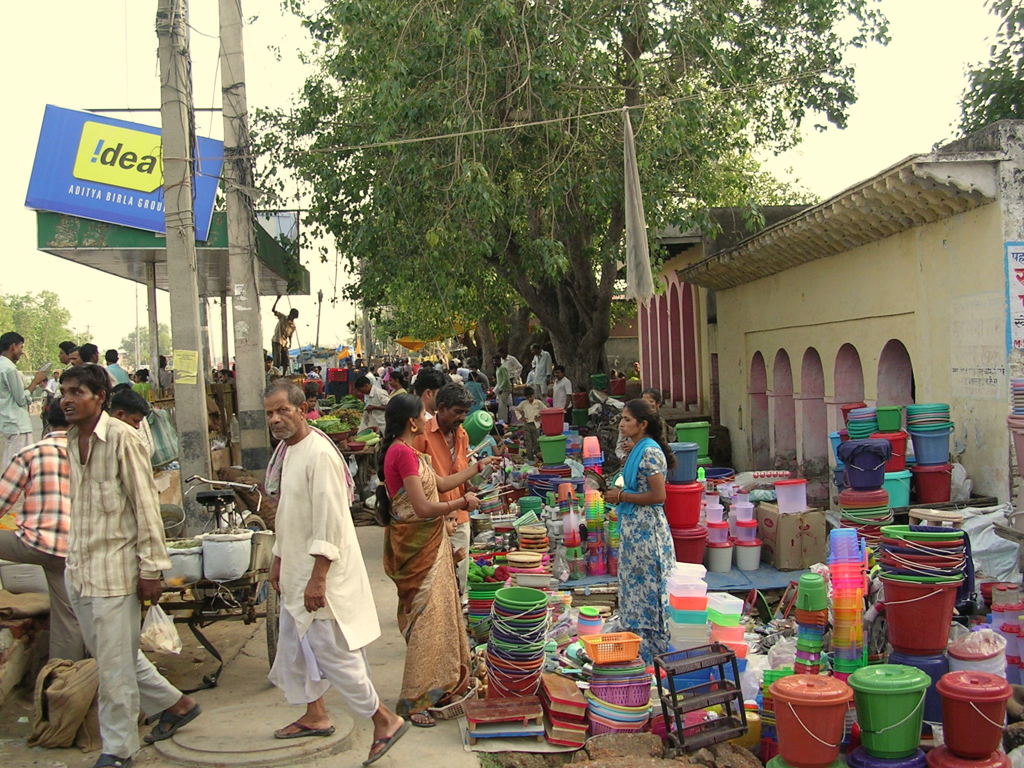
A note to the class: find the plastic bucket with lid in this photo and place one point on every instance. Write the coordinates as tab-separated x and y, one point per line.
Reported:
682	504
552	422
918	615
897	485
748	555
890	708
932	483
791	496
810	715
552	448
685	470
719	557
689	544
973	712
695	432
898	441
718	533
935	666
942	757
931	446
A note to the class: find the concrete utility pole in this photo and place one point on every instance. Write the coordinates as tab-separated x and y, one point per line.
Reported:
154	325
245	298
178	147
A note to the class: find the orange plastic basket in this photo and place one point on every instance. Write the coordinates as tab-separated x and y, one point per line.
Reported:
611	648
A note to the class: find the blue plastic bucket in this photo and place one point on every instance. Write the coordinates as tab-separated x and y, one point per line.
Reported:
685	470
839	476
935	666
897	484
833	437
931	447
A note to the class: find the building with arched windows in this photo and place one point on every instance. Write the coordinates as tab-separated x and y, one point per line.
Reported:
907	287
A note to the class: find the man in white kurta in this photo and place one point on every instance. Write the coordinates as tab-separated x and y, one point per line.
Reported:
328	616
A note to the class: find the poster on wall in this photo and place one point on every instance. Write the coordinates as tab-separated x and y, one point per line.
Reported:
111	170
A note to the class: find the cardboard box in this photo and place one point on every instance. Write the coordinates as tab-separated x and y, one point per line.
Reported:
791	542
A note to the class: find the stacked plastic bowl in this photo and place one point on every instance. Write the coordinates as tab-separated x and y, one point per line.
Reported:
862	423
619	699
515	649
930	427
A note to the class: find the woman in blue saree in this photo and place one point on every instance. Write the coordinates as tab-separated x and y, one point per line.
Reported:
646	554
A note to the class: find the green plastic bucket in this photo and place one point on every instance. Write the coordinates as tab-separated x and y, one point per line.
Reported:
694	432
580	417
477	425
523	598
890	418
552	449
811	594
599	381
890	708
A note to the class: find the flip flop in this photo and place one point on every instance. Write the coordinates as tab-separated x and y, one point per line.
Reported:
388	743
169	724
303	732
432	722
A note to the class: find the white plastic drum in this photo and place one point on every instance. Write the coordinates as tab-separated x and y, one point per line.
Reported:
226	555
981	651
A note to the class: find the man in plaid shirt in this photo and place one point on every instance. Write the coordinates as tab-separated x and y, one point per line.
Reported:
41	476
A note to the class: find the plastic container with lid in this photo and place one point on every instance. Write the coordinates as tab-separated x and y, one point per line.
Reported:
748	555
973	712
746	530
689	543
981	651
791	496
718	533
714	513
890	708
742	511
810	717
719	557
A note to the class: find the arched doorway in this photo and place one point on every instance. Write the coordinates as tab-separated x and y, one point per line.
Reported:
849	375
783	411
664	345
690	392
760	442
646	369
674	393
813	424
895	375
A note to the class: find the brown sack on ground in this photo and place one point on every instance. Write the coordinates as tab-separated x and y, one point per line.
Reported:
64	703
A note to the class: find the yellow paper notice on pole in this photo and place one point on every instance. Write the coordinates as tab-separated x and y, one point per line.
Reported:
186	366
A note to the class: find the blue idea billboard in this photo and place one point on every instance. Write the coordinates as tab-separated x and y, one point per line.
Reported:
111	170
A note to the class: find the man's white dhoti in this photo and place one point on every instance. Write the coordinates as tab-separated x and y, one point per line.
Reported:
305	667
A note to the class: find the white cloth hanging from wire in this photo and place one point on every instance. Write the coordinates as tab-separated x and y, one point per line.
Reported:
639	280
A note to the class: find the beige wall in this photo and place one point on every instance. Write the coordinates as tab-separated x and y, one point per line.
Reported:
938	288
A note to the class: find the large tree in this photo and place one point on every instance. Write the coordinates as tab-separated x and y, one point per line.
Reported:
470	149
995	90
140	337
42	320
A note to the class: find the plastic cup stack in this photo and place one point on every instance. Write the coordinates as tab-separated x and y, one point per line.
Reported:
846	560
593	505
811	620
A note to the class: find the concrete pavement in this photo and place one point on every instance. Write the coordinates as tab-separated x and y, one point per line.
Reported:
239	715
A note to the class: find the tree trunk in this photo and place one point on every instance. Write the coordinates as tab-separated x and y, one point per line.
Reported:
488	347
518	341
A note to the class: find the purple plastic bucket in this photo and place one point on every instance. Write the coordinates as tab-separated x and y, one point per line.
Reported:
860	758
865	462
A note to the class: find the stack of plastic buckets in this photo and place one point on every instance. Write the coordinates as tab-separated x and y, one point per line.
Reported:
930	428
811	620
897	476
698	432
688	600
744	527
593	456
846	563
865	505
682	504
515	650
724	614
1006	610
810	717
862	423
553	441
597	564
973	715
890	706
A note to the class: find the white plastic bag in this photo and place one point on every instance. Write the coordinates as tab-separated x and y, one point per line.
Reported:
159	632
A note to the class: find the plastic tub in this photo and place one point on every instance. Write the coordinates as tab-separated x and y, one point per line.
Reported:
552	448
695	432
942	757
719	557
865	462
682	616
746	531
897	485
552	422
580	416
931	483
226	555
728	634
931	447
898	440
810	717
685	470
617	387
689	544
591	447
973	712
890	417
859	758
918	615
744	511
962	659
691	603
890	708
935	666
748	555
682	504
718	533
714	513
791	496
599	381
580	400
725	604
845	410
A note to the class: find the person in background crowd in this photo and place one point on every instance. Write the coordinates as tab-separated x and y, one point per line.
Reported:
514	367
453	373
502	387
561	391
40	474
89	354
475	374
634	371
65	348
447	444
476	385
328	617
374	401
283	332
653	397
15	423
164	377
418	558
51	392
310	410
428	382
120	374
528	412
646	554
129	406
397	382
462	371
142	385
541	370
116	554
270	372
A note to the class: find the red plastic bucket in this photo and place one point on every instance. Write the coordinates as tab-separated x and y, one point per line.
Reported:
552	421
617	387
973	712
682	504
689	544
810	714
931	483
918	615
849	407
580	400
898	440
942	757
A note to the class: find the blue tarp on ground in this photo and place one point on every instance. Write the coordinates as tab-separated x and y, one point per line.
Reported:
765	577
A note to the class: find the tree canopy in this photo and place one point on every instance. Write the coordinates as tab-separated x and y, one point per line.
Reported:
471	152
995	90
127	345
42	320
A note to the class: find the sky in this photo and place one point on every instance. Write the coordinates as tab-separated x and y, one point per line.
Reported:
102	54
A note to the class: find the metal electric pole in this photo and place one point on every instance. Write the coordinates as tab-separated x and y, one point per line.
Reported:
179	144
245	299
